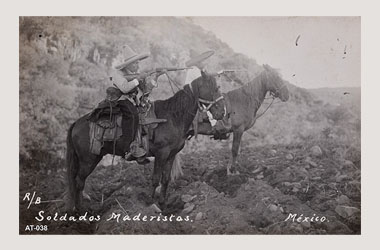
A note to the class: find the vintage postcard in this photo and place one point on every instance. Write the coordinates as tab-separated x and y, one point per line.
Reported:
190	125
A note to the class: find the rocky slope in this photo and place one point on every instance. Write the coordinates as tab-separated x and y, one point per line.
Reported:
275	182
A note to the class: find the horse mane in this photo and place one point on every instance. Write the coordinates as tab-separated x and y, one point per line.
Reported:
251	91
177	106
176	103
254	91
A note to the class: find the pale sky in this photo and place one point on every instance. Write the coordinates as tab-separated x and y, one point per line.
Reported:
317	61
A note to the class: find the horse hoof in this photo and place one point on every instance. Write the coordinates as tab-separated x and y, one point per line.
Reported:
86	196
158	190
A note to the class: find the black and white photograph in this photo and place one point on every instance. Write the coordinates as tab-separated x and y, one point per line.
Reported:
190	125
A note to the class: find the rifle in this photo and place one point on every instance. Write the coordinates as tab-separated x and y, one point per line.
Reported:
224	71
159	71
236	80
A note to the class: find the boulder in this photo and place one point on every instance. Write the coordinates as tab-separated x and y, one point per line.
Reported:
272	152
272	208
343	200
289	157
281	209
348	163
297	185
259	169
346	211
155	208
306	224
187	198
313	164
188	208
199	216
342	177
316	151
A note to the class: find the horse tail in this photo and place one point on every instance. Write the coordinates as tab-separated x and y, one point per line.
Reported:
177	168
72	165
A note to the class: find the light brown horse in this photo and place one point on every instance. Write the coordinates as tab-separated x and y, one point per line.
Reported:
242	105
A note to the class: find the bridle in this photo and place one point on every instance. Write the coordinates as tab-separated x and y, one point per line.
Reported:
205	105
276	92
202	103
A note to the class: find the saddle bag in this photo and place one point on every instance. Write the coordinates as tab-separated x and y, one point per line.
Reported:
105	129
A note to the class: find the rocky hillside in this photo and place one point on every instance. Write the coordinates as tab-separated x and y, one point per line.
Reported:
64	65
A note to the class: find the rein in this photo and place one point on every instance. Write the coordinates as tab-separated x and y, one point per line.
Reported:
258	116
273	97
277	91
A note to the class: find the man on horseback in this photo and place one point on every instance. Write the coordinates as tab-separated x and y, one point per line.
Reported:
136	88
197	64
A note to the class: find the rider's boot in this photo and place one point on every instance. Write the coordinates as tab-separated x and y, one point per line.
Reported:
137	151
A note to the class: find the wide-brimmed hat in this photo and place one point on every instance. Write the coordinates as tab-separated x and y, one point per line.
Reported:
199	58
130	56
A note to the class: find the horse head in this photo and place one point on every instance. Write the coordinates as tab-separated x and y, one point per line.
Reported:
209	96
275	84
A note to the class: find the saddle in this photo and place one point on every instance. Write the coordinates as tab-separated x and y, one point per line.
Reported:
106	125
104	108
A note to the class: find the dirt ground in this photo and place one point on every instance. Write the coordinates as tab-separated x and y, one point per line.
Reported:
275	182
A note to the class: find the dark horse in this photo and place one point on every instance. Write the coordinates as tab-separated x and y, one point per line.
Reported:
242	105
167	140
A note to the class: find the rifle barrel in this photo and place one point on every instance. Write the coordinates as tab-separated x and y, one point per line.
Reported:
170	69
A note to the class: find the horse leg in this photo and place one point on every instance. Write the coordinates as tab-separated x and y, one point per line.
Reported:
157	171
159	163
86	168
165	181
72	166
235	151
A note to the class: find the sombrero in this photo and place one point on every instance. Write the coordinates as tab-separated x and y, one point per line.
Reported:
131	56
200	58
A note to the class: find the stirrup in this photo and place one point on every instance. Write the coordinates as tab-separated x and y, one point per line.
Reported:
138	152
142	160
128	156
135	152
